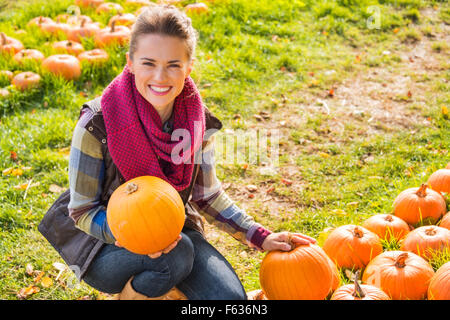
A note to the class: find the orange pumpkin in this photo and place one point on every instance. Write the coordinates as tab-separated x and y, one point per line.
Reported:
115	34
78	19
402	275
447	166
9	45
352	247
88	3
440	180
427	241
85	29
109	7
196	8
303	273
123	19
7	74
419	205
445	221
387	226
145	214
68	46
95	56
358	291
26	80
28	54
64	65
336	278
38	21
439	288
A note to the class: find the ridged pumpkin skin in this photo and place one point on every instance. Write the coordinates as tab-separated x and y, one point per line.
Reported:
439	288
445	221
64	65
387	226
352	246
347	292
419	205
440	180
303	273
401	275
427	241
145	214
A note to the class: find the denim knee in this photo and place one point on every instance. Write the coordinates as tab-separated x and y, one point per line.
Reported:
183	257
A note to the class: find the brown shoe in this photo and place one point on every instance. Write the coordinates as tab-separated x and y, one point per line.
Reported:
128	293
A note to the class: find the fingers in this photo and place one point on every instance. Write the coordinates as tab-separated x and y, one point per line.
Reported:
117	244
166	250
302	238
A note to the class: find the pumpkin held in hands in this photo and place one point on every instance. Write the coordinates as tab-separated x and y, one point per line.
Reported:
303	273
145	214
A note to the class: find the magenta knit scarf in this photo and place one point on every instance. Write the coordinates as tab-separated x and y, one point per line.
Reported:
135	136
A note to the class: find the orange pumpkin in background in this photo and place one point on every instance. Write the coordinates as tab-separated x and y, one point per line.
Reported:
427	241
115	34
7	74
38	21
419	205
88	3
85	29
352	246
145	214
358	291
445	221
64	65
9	45
439	288
29	55
303	273
95	56
402	275
26	80
68	46
107	7
196	8
440	180
387	227
123	19
135	4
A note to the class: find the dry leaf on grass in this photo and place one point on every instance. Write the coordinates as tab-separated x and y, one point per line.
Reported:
56	189
46	282
25	292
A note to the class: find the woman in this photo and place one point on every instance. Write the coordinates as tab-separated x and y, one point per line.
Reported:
127	133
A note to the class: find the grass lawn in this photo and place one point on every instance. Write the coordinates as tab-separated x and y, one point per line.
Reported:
358	91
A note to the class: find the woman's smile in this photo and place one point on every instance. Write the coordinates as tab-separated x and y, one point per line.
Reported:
159	90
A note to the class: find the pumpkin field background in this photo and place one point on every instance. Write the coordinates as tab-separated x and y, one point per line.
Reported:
362	113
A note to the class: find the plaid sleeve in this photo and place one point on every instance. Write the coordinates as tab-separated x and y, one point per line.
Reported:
209	198
86	174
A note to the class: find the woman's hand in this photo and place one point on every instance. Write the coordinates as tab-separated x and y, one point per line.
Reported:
159	253
281	240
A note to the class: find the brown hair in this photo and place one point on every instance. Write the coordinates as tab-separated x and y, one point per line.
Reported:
164	20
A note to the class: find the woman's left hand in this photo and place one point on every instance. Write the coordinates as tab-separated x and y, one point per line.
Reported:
280	241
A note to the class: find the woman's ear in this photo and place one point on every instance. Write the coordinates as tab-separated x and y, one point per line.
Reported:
190	67
129	62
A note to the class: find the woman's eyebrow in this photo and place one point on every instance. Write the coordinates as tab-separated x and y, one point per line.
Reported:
153	60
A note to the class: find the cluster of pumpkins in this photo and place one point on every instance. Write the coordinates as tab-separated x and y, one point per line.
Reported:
70	53
310	272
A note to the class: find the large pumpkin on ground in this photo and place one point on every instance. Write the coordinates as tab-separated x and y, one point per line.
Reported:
419	205
64	65
145	214
402	275
440	180
427	241
439	288
303	273
352	246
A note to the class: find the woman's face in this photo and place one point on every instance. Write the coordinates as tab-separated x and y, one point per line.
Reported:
160	66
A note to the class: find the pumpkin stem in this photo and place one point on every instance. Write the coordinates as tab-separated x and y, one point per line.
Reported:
3	36
357	232
400	262
113	25
431	231
389	218
358	292
83	21
131	187
40	20
422	192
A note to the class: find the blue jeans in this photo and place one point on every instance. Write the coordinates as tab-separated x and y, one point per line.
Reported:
194	266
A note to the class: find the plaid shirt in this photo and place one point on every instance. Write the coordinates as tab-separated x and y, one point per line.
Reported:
87	170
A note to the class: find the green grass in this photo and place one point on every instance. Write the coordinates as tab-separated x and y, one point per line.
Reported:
252	56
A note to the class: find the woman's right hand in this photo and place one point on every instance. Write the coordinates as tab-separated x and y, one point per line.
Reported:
159	253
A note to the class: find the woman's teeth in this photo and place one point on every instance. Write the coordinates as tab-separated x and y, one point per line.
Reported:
160	89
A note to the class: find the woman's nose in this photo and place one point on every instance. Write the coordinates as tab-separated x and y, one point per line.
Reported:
160	74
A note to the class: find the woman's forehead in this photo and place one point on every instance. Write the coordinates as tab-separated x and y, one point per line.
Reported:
157	47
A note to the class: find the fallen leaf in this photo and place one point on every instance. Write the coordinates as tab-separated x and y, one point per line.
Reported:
17	172
25	292
251	188
39	276
46	282
29	269
13	155
24	186
271	189
353	204
55	188
324	155
338	212
7	171
286	181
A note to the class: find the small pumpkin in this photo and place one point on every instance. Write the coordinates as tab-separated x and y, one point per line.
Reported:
427	241
419	205
29	54
358	291
108	7
401	275
145	214
68	46
7	74
439	288
196	8
95	56
26	80
9	45
352	246
78	19
387	227
445	221
123	19
85	29
440	180
64	65
114	34
38	21
88	3
302	273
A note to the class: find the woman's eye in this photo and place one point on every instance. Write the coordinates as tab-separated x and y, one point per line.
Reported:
148	64
174	66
